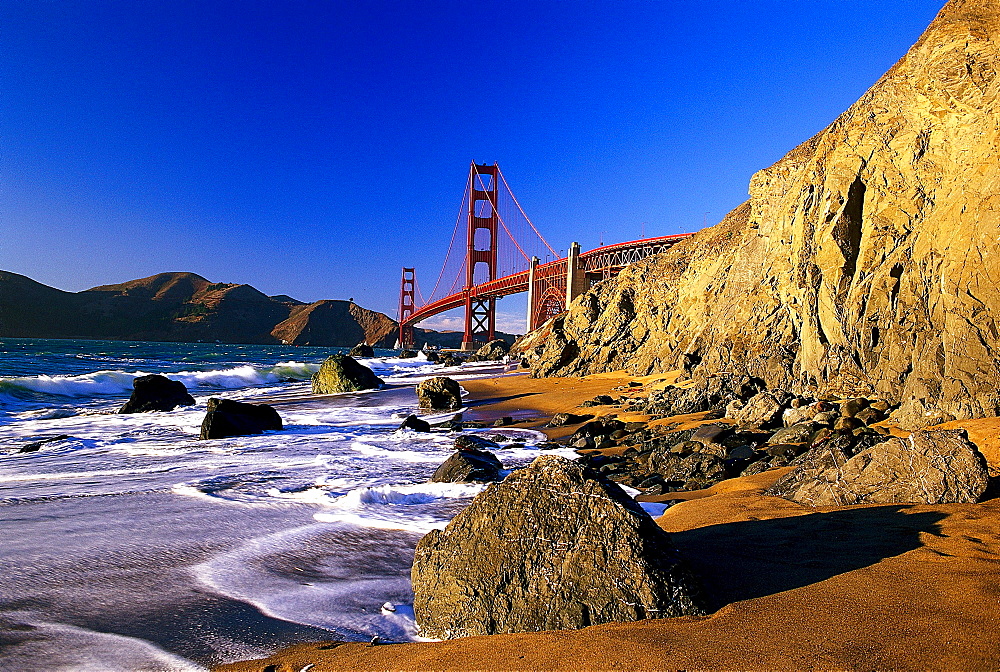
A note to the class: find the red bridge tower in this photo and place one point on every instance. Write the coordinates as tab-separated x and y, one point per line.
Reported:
481	261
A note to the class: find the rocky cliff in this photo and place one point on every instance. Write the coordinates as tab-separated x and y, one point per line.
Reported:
183	307
865	261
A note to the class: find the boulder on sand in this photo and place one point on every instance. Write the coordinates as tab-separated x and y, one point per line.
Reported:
439	393
234	418
553	546
468	465
361	350
341	373
929	467
156	393
493	351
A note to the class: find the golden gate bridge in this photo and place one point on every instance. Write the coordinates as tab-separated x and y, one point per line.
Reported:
502	254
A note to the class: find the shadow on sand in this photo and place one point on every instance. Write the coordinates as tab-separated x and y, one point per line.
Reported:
742	560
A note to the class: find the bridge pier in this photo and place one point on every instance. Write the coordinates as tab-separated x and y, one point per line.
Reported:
576	277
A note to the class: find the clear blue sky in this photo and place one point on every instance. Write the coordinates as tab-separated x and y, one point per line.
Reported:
314	148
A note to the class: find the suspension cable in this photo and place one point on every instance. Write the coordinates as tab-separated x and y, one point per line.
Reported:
523	214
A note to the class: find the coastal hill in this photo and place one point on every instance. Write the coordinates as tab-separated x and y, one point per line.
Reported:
184	307
865	262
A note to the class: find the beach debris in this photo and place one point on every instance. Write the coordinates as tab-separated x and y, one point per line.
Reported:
571	549
416	424
469	465
362	350
929	467
40	441
156	393
342	373
439	393
226	417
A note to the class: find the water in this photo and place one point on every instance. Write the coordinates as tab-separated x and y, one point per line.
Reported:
132	545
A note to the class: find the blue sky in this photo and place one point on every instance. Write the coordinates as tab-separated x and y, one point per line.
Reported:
314	148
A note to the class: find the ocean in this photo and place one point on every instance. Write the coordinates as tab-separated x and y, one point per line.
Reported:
132	545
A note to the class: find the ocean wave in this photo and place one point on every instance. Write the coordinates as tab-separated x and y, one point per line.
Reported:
119	383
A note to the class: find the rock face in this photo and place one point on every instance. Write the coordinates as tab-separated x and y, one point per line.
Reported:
931	467
335	323
340	373
551	547
234	418
439	393
863	264
156	393
469	465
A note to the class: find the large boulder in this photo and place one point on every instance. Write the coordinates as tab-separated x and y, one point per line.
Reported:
156	393
361	351
469	465
929	467
341	373
439	393
554	546
493	351
234	418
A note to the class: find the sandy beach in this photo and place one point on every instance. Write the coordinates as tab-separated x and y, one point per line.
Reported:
791	587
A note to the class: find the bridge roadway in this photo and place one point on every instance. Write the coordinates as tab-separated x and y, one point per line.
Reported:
555	283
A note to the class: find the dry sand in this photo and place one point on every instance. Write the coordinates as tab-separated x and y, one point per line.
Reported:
793	588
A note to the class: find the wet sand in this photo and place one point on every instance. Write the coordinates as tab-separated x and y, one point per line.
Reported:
863	587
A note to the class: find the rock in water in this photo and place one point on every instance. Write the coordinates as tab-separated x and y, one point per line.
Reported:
156	393
493	351
552	547
234	418
341	373
416	424
930	467
439	393
863	264
469	465
362	351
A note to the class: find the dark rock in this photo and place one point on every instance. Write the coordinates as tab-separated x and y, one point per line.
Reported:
474	442
407	354
416	424
599	427
234	418
847	423
570	549
870	415
504	421
743	452
706	434
562	419
469	465
341	373
713	393
156	393
882	406
362	350
599	400
432	356
455	422
851	407
439	393
36	445
932	467
825	418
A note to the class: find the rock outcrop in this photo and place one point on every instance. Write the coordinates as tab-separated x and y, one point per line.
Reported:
341	373
493	351
930	467
235	418
439	393
863	264
551	547
156	393
361	351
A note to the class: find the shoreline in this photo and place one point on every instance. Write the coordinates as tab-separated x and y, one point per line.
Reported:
793	587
